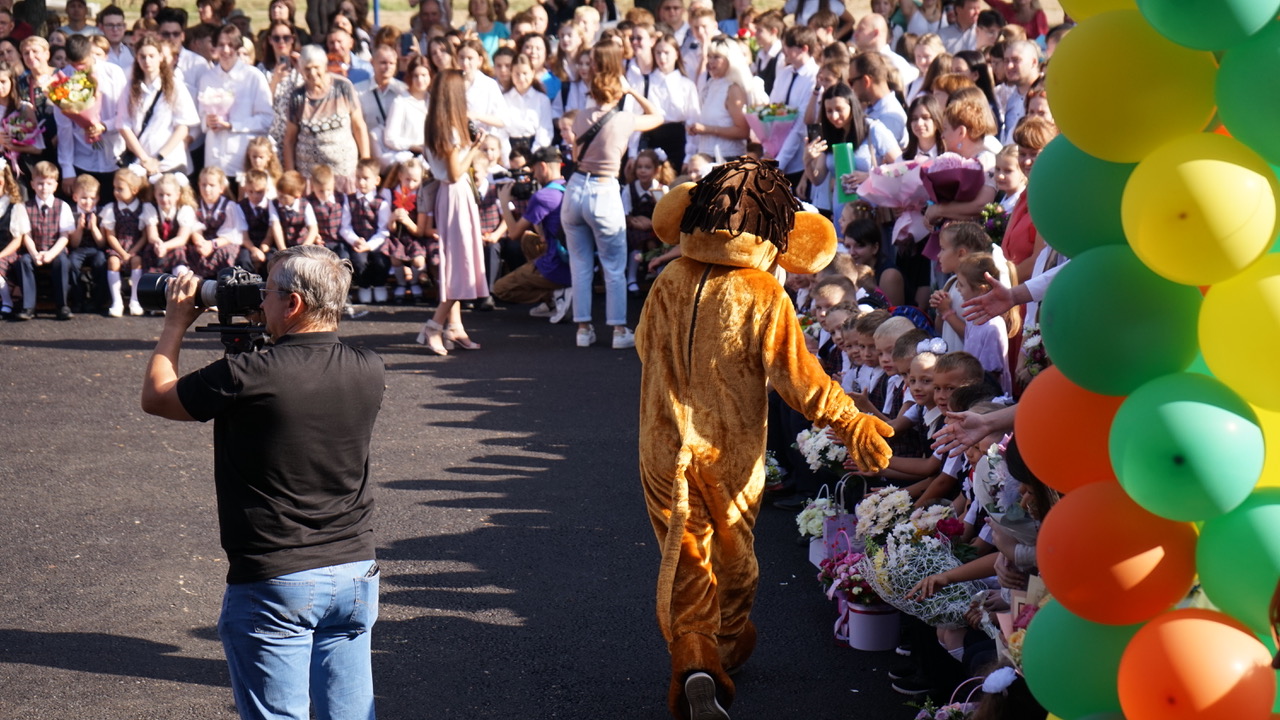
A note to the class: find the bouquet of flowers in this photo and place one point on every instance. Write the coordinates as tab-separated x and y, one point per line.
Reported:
950	711
840	575
913	550
773	471
994	221
215	101
1035	359
880	511
76	96
951	178
21	131
810	520
771	124
900	185
820	451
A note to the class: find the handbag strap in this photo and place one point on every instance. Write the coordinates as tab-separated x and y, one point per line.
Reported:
151	110
584	141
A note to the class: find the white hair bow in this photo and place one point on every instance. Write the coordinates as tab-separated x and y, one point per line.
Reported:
662	154
937	346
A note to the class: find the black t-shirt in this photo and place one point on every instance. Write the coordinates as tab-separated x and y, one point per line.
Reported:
291	452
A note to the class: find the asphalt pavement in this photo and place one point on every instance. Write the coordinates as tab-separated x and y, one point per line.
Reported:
518	564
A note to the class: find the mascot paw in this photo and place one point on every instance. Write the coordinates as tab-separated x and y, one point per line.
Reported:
867	446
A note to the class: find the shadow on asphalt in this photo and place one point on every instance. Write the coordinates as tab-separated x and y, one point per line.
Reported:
110	655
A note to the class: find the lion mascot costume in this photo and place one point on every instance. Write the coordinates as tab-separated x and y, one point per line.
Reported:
717	331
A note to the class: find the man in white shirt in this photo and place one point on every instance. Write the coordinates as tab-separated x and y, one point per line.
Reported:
377	95
702	28
250	115
172	27
963	34
769	29
793	88
111	22
671	13
1022	69
869	78
804	9
76	152
871	35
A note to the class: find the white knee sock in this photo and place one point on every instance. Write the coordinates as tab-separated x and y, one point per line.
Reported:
113	287
5	298
135	276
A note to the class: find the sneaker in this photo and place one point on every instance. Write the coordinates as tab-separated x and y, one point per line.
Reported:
586	338
700	693
135	308
563	300
914	685
904	650
64	313
623	340
22	315
542	310
633	288
116	310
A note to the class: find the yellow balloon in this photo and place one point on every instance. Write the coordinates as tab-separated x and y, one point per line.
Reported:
1120	89
1079	10
1270	422
1200	209
1240	332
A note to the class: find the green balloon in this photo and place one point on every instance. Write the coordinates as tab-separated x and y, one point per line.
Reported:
1200	366
1208	24
1071	664
1074	199
1185	447
1248	97
1111	325
1238	558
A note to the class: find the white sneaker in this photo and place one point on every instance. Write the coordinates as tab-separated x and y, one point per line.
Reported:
542	310
135	308
623	340
116	310
364	295
563	299
586	338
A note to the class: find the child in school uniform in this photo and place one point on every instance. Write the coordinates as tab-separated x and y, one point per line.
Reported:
364	232
46	244
217	242
292	220
255	207
121	223
169	223
327	205
87	245
14	227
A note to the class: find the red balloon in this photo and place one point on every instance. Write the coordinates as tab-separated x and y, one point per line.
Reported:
1064	432
1108	560
1196	665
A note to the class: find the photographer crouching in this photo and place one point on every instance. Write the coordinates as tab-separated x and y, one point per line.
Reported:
292	425
544	279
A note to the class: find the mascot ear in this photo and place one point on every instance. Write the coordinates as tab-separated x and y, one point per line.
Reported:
669	213
810	246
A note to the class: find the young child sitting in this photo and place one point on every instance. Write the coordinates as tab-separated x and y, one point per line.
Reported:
255	206
121	222
956	242
328	206
14	227
292	220
217	244
364	230
46	245
87	245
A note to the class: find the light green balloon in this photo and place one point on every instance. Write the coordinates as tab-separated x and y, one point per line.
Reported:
1071	664
1185	447
1238	558
1248	97
1074	198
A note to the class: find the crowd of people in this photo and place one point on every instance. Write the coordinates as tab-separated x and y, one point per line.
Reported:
507	156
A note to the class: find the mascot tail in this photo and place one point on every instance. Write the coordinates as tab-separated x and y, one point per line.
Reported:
671	546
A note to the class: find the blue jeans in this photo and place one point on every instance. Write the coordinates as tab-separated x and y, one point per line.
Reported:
594	222
302	637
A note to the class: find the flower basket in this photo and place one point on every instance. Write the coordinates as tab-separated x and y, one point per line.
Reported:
817	551
873	628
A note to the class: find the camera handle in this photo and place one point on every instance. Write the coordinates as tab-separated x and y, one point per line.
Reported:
238	337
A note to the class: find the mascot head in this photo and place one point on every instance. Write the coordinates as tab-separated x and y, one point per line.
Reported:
744	214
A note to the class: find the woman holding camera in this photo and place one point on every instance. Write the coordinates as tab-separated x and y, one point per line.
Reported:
592	214
451	148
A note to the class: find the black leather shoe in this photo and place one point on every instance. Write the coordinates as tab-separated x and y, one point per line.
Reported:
64	313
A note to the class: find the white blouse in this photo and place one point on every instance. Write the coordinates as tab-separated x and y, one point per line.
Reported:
406	123
528	115
164	120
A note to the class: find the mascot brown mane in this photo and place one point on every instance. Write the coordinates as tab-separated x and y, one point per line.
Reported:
717	331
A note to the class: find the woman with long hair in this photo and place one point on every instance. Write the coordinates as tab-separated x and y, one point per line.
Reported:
278	52
721	128
592	214
157	113
450	151
407	116
843	121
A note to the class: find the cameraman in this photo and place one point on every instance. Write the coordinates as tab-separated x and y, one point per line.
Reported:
545	278
291	468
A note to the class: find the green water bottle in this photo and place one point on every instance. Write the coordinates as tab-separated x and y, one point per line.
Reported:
844	165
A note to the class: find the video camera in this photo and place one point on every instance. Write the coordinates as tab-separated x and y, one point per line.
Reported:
236	292
523	185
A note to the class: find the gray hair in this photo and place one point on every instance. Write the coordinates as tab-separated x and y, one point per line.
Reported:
312	55
319	276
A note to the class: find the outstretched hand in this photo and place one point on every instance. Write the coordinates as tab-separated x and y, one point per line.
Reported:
993	303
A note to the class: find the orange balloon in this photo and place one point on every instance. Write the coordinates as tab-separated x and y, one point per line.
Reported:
1055	415
1196	665
1109	561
